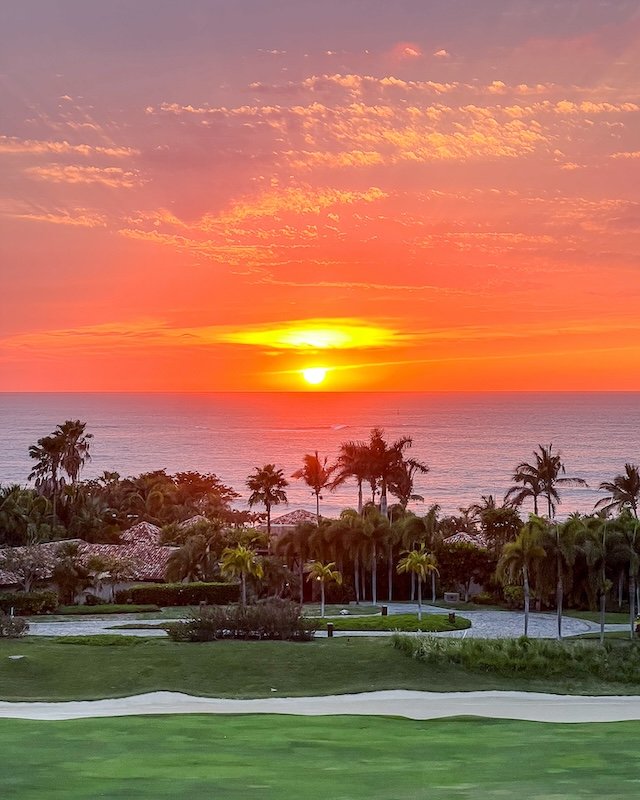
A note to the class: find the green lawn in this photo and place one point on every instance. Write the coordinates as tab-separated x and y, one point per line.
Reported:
58	670
431	623
341	758
610	617
333	610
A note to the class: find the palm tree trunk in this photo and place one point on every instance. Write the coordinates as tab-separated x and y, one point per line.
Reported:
268	507
383	499
301	576
243	583
632	600
359	497
318	509
419	599
603	605
390	571
356	577
559	594
620	587
525	581
363	584
322	599
374	576
433	586
413	586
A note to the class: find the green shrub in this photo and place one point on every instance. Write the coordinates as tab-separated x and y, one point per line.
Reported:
531	658
107	608
267	619
484	599
92	599
180	594
514	596
12	627
27	603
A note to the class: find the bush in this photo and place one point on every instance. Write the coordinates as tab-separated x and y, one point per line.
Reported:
180	594
26	603
267	619
484	599
531	658
105	609
12	627
93	600
514	596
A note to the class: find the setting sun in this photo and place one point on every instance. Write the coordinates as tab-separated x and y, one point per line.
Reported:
314	375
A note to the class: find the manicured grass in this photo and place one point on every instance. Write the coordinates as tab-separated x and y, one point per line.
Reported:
107	608
342	758
56	670
610	617
333	609
431	623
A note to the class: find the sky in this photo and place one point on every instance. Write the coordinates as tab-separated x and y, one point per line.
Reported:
346	195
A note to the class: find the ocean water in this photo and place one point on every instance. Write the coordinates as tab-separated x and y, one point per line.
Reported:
471	442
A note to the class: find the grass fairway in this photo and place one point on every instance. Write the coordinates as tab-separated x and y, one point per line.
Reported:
342	758
53	670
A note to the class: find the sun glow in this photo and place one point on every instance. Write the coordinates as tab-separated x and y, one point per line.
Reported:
314	375
317	334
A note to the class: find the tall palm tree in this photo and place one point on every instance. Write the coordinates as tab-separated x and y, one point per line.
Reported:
385	460
561	545
419	563
542	478
323	574
352	462
267	486
191	562
316	474
239	562
594	546
75	447
626	548
375	533
624	491
48	454
293	545
401	480
422	530
520	556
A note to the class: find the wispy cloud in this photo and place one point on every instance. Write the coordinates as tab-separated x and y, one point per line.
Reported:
113	177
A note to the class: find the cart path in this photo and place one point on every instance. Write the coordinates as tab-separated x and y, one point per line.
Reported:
529	706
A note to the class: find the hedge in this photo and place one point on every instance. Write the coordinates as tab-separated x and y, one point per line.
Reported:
26	603
180	594
267	619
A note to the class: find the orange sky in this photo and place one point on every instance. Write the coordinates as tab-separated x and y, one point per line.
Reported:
425	196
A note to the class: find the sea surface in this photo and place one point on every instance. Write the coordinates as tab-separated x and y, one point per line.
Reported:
471	442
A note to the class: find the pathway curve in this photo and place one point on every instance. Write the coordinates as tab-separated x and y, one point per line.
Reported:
484	625
532	706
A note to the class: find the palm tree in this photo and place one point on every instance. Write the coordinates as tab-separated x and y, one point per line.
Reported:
626	548
191	562
624	491
401	480
323	573
594	545
375	533
520	556
239	562
541	478
316	475
419	563
293	545
48	453
352	462
421	530
75	447
385	460
267	486
561	545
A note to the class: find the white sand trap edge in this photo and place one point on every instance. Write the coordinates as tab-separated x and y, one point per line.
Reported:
530	706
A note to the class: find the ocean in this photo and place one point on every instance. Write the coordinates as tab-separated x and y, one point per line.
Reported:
471	442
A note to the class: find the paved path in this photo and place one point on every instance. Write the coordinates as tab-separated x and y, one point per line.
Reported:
531	706
484	625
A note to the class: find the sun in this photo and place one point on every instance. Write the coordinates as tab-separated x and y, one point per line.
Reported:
314	375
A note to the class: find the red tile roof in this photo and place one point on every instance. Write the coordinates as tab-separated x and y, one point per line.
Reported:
295	518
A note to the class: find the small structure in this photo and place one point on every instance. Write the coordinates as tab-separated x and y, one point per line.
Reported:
287	522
